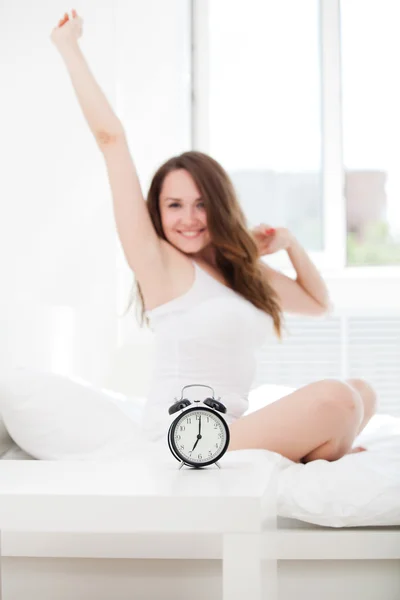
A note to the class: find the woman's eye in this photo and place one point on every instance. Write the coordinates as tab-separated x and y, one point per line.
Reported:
177	205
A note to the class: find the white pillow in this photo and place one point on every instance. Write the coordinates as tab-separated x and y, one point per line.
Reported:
55	417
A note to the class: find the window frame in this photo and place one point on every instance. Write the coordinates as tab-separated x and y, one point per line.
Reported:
332	259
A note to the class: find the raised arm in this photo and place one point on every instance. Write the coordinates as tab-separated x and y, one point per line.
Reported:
308	293
142	247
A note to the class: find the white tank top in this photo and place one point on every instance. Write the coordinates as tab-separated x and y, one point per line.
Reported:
209	336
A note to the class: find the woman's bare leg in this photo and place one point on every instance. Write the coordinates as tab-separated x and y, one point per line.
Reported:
368	396
369	399
317	421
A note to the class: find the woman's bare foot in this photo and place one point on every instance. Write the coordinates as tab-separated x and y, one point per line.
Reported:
357	449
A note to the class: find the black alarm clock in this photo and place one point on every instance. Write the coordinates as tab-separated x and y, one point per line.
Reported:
199	435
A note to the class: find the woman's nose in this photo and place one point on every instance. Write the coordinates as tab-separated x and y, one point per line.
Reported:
189	215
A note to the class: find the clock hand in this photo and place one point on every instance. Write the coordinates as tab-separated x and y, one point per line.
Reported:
199	436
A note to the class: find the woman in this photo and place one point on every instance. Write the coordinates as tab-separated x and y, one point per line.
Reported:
207	294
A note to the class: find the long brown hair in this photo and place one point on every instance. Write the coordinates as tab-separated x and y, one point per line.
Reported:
235	249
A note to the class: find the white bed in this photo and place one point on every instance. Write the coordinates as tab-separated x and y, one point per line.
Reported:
339	528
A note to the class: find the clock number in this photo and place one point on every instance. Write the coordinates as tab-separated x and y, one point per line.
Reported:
215	426
188	420
200	456
178	437
182	428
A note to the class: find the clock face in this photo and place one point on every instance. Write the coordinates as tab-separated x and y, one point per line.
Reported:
199	436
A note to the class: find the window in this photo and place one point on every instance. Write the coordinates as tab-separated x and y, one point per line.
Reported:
371	130
301	109
264	109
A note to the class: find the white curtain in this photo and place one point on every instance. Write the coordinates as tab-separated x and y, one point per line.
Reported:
63	277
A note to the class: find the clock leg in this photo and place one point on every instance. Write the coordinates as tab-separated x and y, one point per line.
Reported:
245	574
181	465
218	465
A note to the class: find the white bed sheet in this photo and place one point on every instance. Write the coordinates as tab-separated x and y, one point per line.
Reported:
358	490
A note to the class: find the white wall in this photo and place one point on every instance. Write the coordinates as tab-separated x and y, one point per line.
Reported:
60	261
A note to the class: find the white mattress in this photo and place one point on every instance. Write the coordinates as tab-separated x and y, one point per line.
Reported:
358	490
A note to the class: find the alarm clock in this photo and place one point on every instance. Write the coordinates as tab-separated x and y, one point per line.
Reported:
199	435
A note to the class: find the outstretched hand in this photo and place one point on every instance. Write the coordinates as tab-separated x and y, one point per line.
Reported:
68	30
270	240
